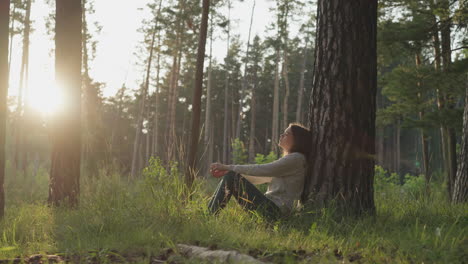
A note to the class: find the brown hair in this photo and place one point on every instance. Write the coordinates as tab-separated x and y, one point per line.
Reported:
302	139
302	144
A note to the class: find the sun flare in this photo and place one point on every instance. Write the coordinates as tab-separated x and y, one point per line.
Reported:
45	97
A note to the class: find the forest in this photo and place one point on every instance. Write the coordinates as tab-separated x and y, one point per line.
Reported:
112	112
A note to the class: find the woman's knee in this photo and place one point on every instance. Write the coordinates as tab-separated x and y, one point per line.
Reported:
230	176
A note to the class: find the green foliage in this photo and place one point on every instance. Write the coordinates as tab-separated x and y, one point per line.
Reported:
239	152
262	159
413	186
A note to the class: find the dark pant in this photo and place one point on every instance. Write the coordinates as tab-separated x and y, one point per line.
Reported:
246	194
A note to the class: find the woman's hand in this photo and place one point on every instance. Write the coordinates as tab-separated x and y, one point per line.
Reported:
218	166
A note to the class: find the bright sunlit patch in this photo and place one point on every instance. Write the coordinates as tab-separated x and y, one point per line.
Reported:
45	97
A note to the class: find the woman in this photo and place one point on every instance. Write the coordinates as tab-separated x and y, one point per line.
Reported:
285	178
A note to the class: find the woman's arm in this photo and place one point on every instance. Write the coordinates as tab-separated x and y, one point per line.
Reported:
277	168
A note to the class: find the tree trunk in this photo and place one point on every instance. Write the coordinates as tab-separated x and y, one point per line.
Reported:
141	113
275	128
424	137
252	129
398	151
4	31
342	107
226	89
197	92
286	94
449	133
460	188
301	87
24	76
244	78
66	129
208	122
12	35
155	150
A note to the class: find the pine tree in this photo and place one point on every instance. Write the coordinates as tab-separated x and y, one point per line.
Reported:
4	32
342	107
66	130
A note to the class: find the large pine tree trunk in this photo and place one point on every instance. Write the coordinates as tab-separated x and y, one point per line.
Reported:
342	107
460	187
4	28
196	112
66	130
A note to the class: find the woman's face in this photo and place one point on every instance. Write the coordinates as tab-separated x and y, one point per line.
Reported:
286	140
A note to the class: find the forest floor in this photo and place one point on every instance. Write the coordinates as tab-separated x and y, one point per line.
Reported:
145	221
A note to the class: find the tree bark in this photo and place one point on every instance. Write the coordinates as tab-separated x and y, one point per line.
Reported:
342	106
460	188
4	31
196	110
66	130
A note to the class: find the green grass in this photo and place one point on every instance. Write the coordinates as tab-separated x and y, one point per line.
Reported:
149	214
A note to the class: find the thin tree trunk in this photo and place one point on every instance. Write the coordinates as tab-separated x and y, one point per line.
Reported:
226	89
301	86
275	128
4	70
196	110
244	78
460	188
252	128
398	151
66	129
12	35
449	133
155	149
144	92
286	94
208	122
24	76
341	161
424	138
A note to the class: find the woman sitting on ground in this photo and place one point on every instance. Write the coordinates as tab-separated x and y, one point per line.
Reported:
285	178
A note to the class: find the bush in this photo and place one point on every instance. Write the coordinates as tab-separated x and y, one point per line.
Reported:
239	153
262	159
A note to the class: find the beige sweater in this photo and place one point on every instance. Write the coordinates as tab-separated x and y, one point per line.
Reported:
285	178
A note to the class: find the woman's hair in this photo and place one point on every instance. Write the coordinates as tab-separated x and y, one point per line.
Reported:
302	139
302	144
